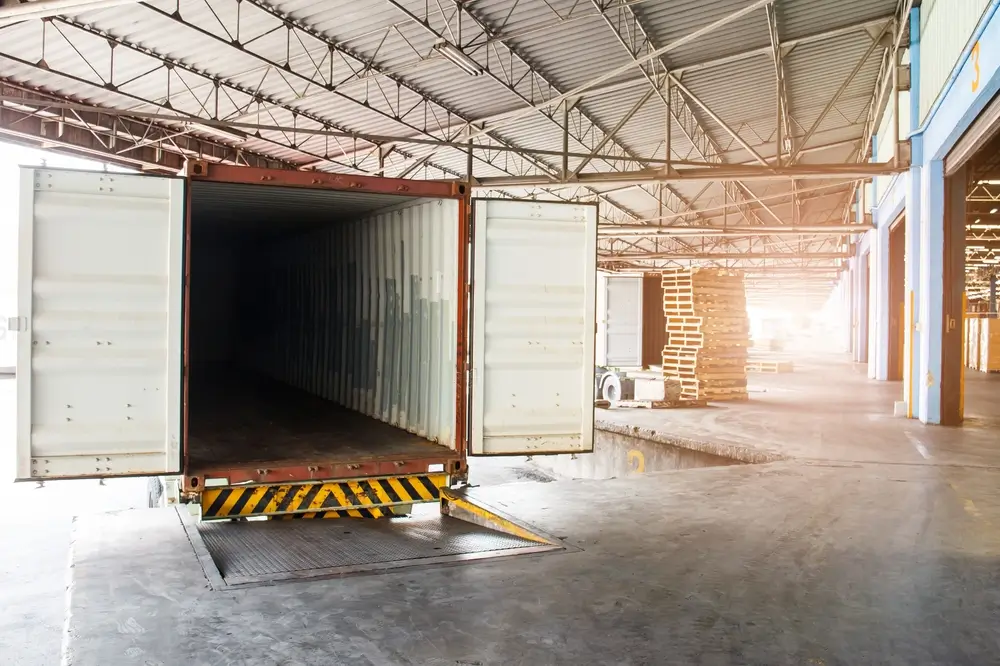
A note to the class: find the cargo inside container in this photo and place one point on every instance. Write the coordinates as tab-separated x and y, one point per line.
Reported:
321	324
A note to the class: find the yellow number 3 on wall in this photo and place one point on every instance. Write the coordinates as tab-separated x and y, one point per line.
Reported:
975	65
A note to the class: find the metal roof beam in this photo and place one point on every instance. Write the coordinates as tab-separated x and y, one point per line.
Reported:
223	92
26	117
842	89
735	256
614	132
722	123
783	120
15	12
579	91
371	65
708	231
633	35
862	170
313	75
163	104
520	78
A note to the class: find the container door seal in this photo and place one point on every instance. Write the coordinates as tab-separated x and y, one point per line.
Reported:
533	293
99	335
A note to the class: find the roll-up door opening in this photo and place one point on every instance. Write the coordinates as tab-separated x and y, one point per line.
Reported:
321	326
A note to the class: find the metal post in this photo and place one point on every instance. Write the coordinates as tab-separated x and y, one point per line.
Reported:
565	143
895	98
993	296
779	148
669	122
468	163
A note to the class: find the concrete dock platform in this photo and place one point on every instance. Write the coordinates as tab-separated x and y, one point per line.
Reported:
872	540
826	410
773	564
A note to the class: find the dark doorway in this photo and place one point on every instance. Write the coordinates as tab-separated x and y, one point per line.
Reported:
952	342
897	298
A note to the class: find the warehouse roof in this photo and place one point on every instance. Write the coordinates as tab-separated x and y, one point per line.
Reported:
350	86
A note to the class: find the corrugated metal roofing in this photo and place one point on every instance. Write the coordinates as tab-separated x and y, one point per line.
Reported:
300	78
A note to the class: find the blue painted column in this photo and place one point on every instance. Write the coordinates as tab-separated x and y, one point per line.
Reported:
911	339
931	300
911	346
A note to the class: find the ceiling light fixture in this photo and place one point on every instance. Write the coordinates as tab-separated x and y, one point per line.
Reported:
458	57
231	135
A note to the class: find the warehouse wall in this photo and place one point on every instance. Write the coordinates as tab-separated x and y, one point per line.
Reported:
945	29
363	313
957	63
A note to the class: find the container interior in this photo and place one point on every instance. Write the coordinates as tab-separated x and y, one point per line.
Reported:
321	326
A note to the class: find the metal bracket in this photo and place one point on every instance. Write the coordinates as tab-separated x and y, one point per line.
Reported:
904	150
903	77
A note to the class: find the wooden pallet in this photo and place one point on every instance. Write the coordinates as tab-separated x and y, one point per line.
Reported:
772	367
662	404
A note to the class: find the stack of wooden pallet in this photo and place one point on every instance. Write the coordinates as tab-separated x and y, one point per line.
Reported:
708	333
982	343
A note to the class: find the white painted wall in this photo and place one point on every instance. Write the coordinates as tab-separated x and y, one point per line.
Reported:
945	29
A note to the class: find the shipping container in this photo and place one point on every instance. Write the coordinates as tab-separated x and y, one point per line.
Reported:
250	326
631	326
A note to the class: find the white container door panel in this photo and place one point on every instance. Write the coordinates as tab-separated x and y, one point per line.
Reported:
533	307
100	295
624	321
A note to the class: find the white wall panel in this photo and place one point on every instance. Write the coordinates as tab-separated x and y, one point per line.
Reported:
945	29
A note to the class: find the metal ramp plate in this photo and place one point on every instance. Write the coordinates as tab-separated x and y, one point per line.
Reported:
259	552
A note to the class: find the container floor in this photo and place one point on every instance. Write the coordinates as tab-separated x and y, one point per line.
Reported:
237	419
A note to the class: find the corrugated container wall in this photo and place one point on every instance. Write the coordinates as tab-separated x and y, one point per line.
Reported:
945	29
388	283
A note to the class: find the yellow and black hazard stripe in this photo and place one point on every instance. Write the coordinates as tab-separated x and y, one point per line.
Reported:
354	498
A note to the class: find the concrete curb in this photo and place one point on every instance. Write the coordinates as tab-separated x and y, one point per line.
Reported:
743	454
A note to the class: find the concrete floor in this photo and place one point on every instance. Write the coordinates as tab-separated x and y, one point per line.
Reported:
874	540
783	563
826	410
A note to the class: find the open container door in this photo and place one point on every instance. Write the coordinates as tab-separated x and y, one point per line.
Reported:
99	325
623	330
533	306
